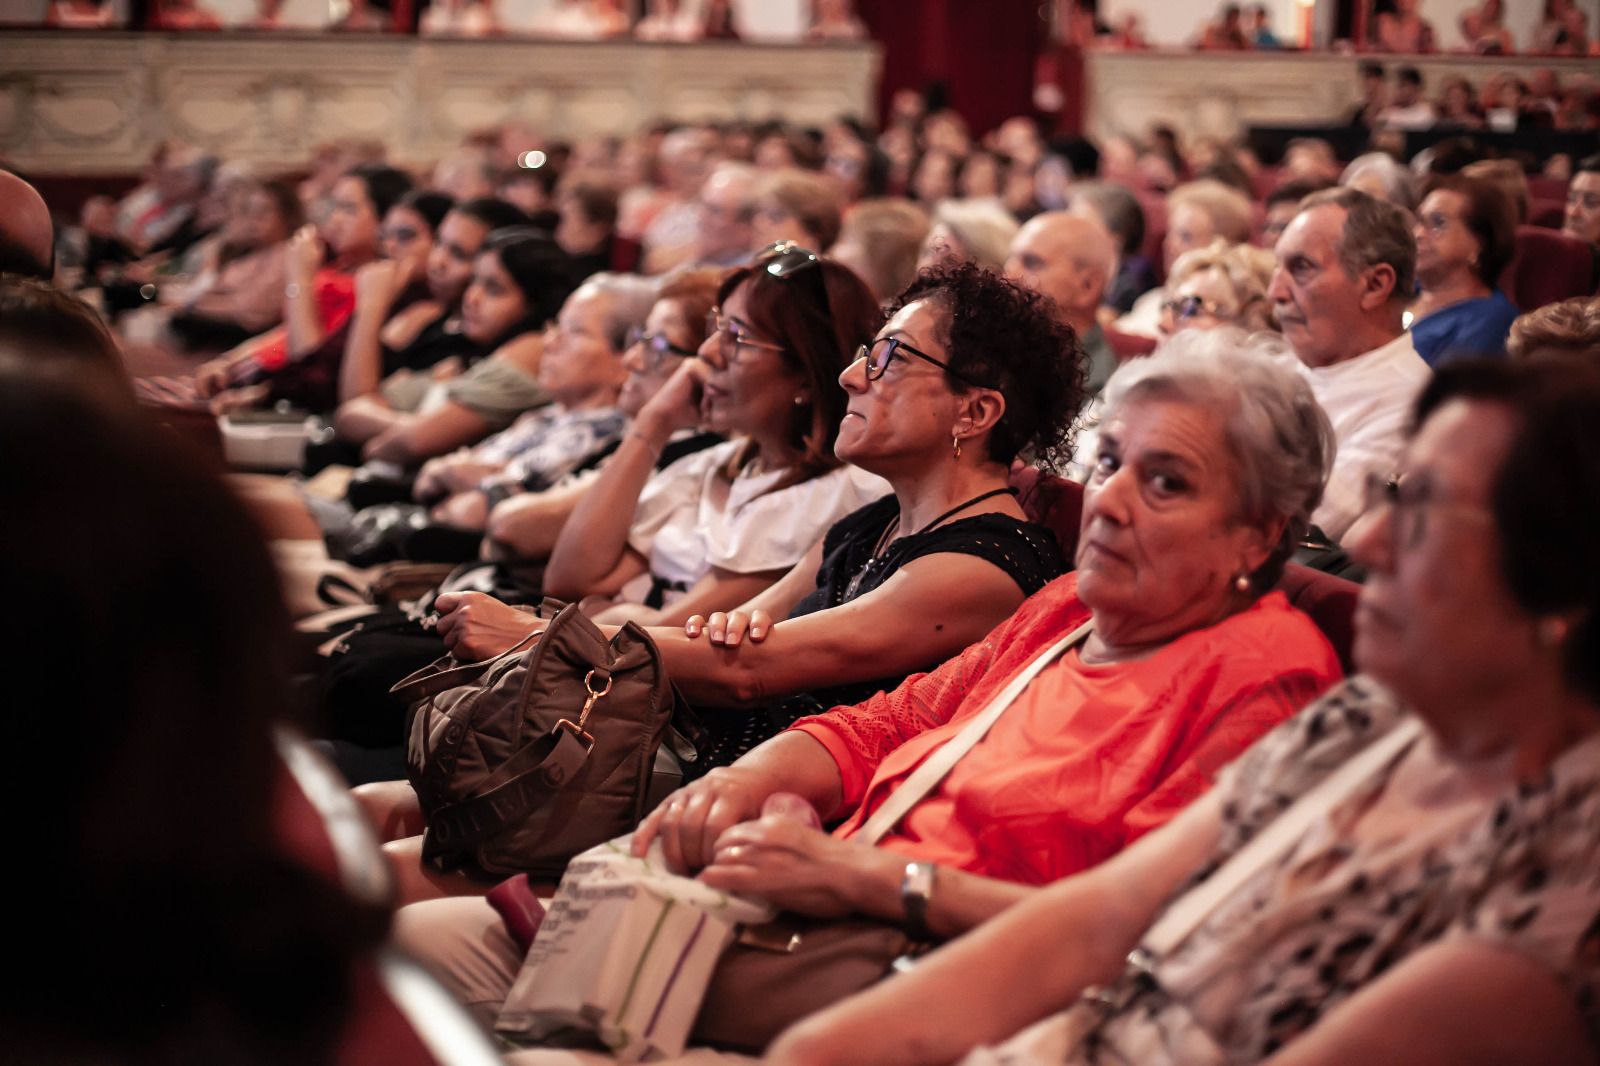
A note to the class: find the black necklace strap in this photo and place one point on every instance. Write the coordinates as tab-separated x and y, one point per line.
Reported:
958	508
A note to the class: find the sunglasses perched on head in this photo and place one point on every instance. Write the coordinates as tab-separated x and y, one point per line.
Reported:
1184	308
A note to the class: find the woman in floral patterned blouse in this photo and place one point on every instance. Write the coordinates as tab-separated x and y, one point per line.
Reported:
1446	908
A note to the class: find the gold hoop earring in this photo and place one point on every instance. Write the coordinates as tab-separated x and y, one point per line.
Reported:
955	445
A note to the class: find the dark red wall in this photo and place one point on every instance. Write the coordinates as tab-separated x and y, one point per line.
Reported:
983	50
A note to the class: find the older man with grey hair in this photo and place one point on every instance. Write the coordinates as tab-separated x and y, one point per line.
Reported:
1071	259
1346	267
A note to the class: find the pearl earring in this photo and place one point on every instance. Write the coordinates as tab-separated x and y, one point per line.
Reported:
1242	583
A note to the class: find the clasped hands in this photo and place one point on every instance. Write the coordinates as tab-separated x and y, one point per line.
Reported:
743	840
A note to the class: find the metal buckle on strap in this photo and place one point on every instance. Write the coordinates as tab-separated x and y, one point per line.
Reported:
577	731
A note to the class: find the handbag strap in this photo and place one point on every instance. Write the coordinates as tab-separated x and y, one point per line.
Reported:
934	768
556	758
1272	842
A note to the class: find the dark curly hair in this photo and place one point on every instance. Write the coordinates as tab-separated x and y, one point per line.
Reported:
1004	336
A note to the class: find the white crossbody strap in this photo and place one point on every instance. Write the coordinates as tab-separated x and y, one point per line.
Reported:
1274	841
941	762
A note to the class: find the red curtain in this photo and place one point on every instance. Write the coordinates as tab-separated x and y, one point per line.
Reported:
983	51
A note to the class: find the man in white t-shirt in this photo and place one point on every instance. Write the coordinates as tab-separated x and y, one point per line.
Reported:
1346	263
1409	110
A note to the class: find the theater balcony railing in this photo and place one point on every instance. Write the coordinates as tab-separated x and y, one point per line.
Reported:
84	103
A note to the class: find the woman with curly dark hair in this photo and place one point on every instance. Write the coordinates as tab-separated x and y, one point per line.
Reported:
969	372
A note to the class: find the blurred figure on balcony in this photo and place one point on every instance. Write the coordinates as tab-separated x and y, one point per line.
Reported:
1404	30
1258	28
458	18
1409	110
80	14
668	20
1226	34
1483	29
717	21
835	20
183	15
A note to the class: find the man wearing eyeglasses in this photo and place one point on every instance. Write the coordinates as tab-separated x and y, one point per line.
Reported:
727	203
1071	260
1346	267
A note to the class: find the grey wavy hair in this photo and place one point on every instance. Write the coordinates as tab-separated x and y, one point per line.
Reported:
983	226
1277	435
1398	183
631	299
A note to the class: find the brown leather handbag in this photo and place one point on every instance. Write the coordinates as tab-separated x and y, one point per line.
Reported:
527	759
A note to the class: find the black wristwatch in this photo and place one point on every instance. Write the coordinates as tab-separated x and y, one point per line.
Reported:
916	889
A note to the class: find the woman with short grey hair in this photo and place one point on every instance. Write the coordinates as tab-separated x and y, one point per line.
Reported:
1278	437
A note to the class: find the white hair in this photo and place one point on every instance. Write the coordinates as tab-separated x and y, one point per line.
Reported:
983	226
1279	438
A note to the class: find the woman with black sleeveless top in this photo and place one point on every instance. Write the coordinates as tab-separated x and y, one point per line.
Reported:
969	372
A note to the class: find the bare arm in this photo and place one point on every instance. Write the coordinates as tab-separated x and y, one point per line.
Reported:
716	591
595	539
360	419
212	376
527	526
779	599
378	284
1462	1003
940	1009
417	437
301	319
929	610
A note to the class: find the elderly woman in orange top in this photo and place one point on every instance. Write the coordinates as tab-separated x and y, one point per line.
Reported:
1211	460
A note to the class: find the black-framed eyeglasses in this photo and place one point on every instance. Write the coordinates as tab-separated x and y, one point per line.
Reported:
883	351
657	345
1409	499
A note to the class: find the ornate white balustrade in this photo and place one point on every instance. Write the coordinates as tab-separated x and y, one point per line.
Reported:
84	103
1220	93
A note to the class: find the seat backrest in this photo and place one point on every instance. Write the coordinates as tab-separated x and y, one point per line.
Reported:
1547	267
400	1016
1054	502
1331	603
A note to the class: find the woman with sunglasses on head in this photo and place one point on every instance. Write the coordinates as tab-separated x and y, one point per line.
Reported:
1220	285
717	527
914	577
